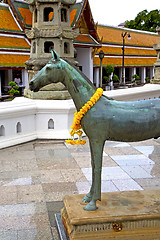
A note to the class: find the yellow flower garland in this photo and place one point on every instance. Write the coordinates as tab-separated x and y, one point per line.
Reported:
76	126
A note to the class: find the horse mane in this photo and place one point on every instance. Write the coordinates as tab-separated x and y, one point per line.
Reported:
80	72
84	76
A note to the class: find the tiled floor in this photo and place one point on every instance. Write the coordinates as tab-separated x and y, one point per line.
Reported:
35	176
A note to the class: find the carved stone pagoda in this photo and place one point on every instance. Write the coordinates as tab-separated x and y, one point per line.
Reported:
50	30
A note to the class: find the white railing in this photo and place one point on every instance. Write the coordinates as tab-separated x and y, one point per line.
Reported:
135	93
23	119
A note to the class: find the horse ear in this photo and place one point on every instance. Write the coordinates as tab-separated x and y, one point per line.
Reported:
55	55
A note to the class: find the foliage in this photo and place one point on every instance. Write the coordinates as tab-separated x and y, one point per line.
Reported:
12	83
11	91
16	87
135	78
109	69
14	90
147	21
147	80
106	79
115	78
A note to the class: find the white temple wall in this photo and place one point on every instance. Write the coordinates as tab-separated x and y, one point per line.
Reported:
25	80
84	57
23	119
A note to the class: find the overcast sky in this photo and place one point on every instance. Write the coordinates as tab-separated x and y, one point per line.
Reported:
114	12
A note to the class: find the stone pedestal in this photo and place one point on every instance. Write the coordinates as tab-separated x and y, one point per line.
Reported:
132	215
49	92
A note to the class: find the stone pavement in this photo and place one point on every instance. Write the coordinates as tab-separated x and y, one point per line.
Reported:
35	176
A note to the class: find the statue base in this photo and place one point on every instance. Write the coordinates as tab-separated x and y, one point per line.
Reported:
129	215
155	81
47	95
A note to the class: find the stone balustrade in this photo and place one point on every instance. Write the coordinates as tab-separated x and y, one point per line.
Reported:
24	119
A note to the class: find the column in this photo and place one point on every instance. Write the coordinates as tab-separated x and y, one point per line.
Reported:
10	76
96	76
91	65
122	81
151	72
132	72
124	76
143	75
25	81
120	75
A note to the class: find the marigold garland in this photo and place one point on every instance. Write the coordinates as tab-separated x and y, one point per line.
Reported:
76	126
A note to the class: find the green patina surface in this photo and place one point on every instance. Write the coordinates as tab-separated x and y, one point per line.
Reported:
106	120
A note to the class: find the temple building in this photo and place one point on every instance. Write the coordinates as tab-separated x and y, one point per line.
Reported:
17	19
14	45
139	57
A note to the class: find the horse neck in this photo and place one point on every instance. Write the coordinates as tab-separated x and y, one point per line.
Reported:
79	88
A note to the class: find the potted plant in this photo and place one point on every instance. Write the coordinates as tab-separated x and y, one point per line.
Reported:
109	69
14	89
115	80
106	80
147	80
136	79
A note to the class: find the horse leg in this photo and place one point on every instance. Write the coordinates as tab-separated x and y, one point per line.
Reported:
88	197
95	192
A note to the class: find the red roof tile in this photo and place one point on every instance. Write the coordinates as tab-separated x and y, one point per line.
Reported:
7	21
13	60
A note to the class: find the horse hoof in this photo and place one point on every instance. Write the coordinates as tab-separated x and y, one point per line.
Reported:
87	199
90	207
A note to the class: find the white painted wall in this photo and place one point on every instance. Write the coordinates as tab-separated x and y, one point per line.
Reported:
84	57
132	72
96	76
25	80
33	115
151	72
143	74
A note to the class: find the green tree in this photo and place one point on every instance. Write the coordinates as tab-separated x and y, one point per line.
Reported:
147	21
115	78
109	69
14	88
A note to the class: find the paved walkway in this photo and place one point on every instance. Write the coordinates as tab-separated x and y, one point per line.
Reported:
35	176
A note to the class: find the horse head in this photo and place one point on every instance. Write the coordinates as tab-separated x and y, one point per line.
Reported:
52	72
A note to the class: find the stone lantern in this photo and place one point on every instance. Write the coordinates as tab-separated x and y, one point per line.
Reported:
50	30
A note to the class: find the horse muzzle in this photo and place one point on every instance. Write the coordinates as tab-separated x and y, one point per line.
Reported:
32	87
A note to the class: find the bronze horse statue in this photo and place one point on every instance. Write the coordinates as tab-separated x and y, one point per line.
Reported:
106	120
